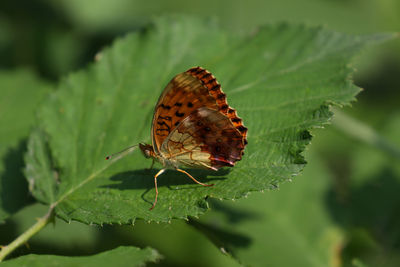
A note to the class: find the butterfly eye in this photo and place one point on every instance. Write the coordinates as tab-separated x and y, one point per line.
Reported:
147	153
147	150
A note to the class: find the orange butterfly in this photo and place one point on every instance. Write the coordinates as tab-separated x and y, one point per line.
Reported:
193	126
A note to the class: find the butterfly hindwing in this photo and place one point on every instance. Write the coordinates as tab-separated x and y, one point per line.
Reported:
206	138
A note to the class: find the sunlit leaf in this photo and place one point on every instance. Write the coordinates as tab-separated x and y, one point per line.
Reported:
280	80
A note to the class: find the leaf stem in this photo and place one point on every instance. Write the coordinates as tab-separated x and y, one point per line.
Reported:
363	132
41	222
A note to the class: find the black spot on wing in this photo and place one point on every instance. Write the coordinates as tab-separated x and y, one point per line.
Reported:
165	106
178	114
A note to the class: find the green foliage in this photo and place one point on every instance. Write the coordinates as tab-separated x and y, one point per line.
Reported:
122	256
343	211
293	220
365	200
280	80
346	214
21	92
190	247
64	238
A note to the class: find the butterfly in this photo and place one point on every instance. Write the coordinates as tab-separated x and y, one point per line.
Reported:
194	126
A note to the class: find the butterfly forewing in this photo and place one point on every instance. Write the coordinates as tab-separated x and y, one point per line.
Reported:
183	94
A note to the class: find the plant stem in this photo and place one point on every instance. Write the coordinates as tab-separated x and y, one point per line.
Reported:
363	132
41	222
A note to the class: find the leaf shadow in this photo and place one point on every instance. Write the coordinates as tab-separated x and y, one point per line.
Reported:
370	211
144	179
226	240
234	215
14	186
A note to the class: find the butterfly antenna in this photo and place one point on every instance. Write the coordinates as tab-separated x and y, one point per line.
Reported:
125	151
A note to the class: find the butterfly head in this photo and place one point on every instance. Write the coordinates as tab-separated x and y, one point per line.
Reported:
147	150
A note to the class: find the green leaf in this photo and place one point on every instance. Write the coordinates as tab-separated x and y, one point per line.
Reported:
190	247
38	164
280	80
121	256
286	227
21	92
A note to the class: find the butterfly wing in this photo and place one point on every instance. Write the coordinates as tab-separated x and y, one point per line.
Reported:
206	138
185	93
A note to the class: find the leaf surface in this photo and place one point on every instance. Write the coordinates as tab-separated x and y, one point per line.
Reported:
280	80
121	256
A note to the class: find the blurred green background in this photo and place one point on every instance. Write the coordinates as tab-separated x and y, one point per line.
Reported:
359	196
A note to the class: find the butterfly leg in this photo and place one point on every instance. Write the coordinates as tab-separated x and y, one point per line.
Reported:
191	177
152	164
155	182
